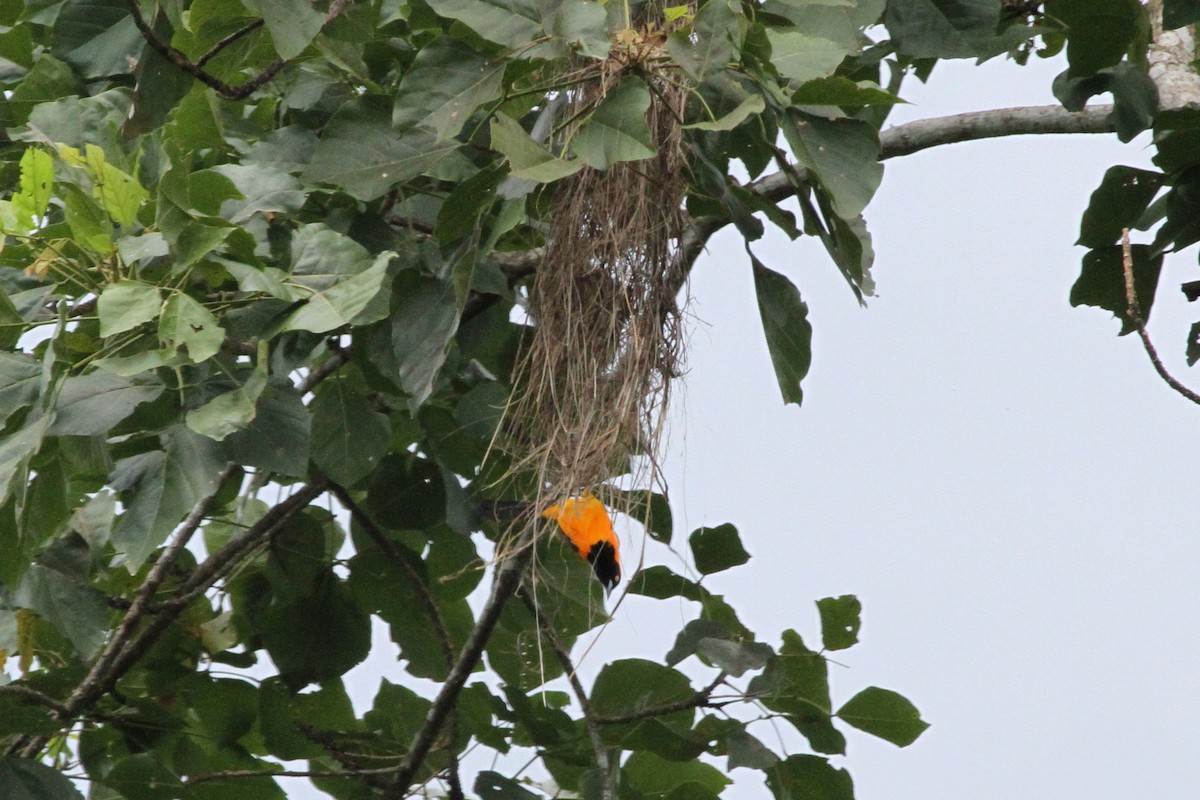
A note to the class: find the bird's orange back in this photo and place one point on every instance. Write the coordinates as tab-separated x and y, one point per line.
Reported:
585	522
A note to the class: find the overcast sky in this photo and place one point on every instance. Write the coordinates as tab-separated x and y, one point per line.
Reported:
1006	484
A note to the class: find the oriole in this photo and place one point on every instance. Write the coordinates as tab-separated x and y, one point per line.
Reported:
585	522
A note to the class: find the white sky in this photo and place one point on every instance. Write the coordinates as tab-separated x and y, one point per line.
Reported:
1004	483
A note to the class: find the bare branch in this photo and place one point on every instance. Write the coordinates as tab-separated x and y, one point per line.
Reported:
1139	322
912	137
233	774
216	49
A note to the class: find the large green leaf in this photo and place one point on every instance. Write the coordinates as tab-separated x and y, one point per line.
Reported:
512	23
1177	13
346	302
943	28
444	86
25	779
1117	203
187	324
37	178
796	683
527	159
843	155
424	319
632	685
126	304
712	42
277	439
92	404
652	776
264	189
800	777
785	323
233	410
293	24
1098	31
885	714
349	434
840	621
317	637
1101	282
19	378
1135	96
617	130
800	57
17	449
77	611
717	549
167	484
360	152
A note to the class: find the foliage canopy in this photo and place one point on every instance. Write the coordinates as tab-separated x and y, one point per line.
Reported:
262	256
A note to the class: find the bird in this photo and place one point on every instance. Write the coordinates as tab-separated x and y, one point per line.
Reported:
585	523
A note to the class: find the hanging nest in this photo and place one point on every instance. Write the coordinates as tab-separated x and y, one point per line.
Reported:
591	389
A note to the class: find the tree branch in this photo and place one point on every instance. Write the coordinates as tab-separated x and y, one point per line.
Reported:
608	789
912	137
240	92
1139	322
420	583
216	49
701	699
508	578
122	654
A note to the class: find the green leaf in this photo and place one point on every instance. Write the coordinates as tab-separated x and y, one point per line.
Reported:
444	86
527	159
885	714
717	549
167	484
126	304
89	225
92	404
1135	96
800	58
840	621
751	106
785	323
37	179
511	23
77	611
796	683
1193	344
490	785
802	776
652	776
709	45
424	318
346	302
1101	282
277	440
1177	13
17	449
119	193
1117	203
661	583
317	637
843	155
360	152
186	323
583	25
234	410
841	91
293	24
617	131
745	750
264	189
19	378
1098	31
349	435
25	779
652	510
632	685
943	28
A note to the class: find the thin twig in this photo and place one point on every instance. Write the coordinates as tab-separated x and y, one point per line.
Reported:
1139	322
209	777
508	578
36	696
421	585
338	357
240	92
608	787
216	49
701	699
102	678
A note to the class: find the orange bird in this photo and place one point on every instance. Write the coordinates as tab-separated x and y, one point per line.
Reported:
585	522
